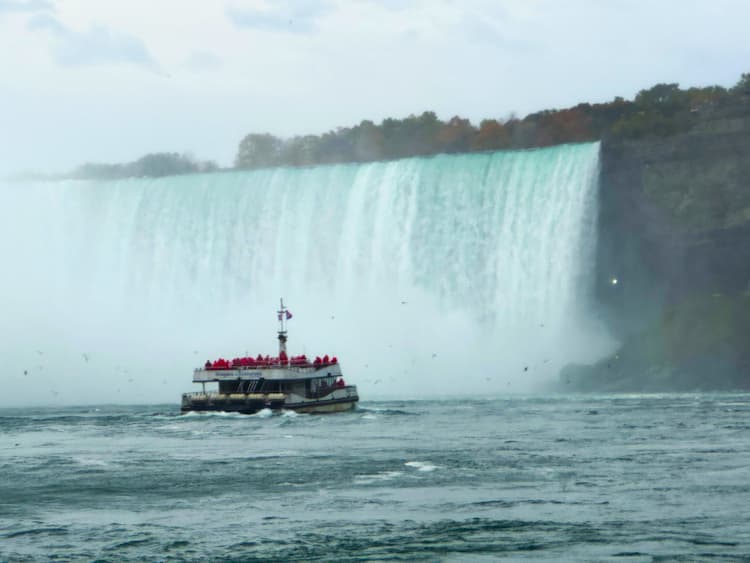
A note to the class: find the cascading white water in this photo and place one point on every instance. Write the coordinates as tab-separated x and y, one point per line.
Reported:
462	275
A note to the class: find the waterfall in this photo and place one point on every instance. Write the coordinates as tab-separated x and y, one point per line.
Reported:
467	274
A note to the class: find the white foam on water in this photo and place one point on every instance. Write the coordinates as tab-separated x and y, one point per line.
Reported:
212	414
421	465
92	462
377	477
172	427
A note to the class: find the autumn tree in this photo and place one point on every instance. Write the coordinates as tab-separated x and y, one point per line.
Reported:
456	135
258	151
300	151
492	135
367	142
743	85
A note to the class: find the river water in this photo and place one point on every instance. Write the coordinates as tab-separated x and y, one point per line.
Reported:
629	478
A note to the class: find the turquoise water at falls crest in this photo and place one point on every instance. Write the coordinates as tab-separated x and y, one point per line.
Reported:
427	275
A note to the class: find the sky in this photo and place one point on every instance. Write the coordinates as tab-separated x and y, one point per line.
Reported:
104	81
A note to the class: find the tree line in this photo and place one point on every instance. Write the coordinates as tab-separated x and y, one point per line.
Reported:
661	110
152	165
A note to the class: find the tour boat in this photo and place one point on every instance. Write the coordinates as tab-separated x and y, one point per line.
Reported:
250	384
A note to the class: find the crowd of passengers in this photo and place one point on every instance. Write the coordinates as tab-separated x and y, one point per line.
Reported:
261	361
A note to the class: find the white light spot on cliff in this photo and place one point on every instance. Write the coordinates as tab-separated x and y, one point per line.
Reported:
614	281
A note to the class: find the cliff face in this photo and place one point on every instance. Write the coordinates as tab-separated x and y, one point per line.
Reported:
674	231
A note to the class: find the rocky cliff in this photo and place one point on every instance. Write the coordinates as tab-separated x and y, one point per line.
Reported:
673	258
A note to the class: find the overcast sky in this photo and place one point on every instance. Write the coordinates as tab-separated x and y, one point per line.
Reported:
106	81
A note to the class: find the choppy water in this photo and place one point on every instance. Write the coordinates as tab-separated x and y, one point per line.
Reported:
582	478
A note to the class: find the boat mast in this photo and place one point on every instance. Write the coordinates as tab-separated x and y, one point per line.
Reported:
282	315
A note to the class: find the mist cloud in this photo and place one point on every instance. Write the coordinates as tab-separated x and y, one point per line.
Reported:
97	45
289	17
203	61
29	6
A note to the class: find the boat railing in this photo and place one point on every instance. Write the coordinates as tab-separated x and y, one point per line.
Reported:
296	367
217	395
329	390
201	395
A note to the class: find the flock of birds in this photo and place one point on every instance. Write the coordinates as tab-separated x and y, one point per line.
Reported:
86	358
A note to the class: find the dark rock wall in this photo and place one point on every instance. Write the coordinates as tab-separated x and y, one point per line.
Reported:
674	230
674	217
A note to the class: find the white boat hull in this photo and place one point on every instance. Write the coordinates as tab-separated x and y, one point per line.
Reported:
338	400
324	408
